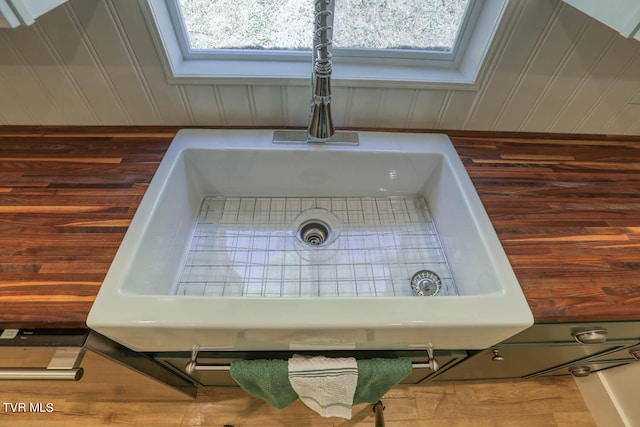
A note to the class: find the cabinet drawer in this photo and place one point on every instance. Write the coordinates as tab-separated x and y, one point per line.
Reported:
590	365
623	354
519	361
561	332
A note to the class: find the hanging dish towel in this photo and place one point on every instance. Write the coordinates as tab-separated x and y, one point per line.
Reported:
377	376
324	384
265	379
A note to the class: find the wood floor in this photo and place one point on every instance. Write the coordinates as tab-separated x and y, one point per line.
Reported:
111	395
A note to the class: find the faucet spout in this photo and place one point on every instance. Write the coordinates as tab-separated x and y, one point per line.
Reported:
320	122
320	130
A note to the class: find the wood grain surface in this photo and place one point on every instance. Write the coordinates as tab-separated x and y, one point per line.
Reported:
566	209
66	200
567	212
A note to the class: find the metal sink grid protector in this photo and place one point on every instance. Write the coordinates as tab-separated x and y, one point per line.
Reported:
247	246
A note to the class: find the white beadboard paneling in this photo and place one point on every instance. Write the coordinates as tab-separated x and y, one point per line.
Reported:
12	111
203	104
544	67
625	119
340	105
411	106
573	119
551	69
9	115
235	103
165	98
516	57
69	77
635	128
21	86
365	104
506	32
395	107
455	108
60	101
427	107
119	72
66	39
187	105
608	112
267	105
565	83
296	108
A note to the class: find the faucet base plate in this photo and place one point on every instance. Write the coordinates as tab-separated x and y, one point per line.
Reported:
300	137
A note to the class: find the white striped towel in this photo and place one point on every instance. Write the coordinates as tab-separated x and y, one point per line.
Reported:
324	384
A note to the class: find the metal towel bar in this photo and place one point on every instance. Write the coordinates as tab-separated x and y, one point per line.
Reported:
192	366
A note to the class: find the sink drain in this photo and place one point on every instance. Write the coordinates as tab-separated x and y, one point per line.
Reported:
315	228
314	233
425	283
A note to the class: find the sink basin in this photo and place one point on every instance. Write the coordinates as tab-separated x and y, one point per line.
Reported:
243	244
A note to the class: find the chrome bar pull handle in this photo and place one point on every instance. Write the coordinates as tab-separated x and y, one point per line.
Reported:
40	374
65	365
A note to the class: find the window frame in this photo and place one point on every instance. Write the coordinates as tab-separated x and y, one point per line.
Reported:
352	67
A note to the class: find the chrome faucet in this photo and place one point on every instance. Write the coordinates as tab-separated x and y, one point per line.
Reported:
321	123
320	128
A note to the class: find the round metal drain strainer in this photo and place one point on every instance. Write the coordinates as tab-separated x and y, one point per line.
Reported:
315	228
425	283
314	233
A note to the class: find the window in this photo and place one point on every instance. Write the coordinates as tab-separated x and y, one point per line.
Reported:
418	25
386	43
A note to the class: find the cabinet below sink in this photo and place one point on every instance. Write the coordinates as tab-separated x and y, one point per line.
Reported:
544	350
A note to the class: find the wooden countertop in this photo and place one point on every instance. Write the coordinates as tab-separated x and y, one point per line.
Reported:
566	209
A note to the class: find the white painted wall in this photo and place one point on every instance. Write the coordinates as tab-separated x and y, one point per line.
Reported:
93	62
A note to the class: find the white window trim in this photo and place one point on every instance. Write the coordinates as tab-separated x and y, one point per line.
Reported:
294	68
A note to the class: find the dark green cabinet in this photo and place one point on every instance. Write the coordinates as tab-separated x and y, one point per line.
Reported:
550	350
544	350
598	363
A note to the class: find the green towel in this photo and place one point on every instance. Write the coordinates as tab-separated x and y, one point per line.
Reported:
269	379
265	379
377	376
